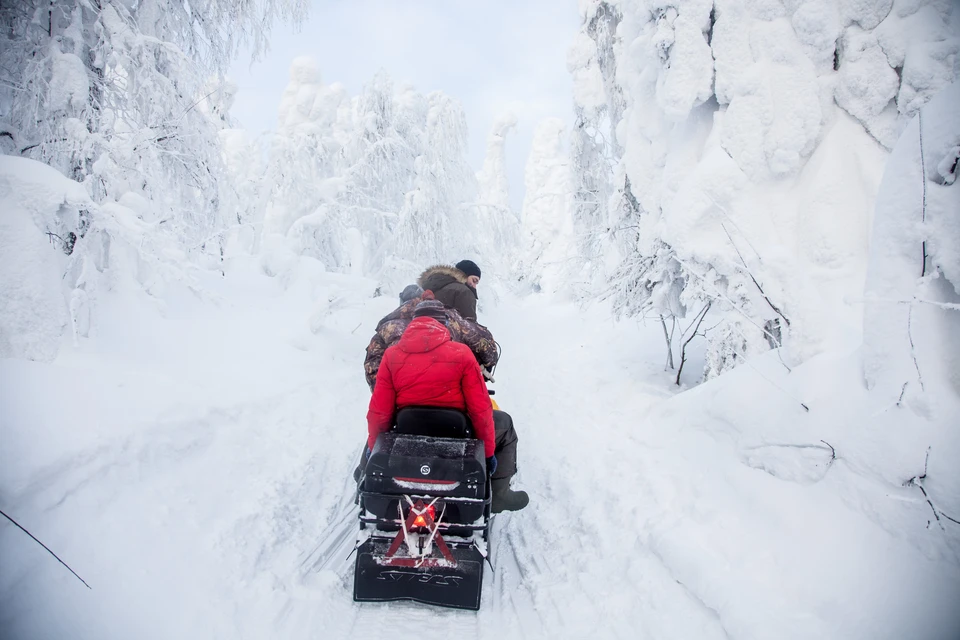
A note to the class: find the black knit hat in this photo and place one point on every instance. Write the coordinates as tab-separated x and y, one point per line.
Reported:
469	267
431	309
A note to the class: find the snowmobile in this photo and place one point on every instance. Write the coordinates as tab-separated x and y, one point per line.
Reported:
425	501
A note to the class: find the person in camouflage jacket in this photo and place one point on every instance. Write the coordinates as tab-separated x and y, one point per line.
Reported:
392	326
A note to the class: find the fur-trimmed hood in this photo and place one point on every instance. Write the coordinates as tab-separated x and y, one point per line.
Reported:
439	276
449	286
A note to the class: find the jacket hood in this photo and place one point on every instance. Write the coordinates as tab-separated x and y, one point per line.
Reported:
422	335
439	276
403	312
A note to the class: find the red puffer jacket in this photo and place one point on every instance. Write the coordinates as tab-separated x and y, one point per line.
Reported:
427	368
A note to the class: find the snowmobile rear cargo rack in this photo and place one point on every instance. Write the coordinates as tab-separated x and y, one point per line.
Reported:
424	521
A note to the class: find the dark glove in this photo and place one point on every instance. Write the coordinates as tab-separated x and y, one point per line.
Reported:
366	452
492	465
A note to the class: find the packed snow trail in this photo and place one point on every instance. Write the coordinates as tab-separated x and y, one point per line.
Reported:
193	465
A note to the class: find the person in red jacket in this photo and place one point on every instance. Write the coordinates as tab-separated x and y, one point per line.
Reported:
426	368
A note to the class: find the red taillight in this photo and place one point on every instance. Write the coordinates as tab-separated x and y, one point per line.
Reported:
420	521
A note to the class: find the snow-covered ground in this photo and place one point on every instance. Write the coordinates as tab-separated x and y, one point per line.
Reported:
192	464
183	312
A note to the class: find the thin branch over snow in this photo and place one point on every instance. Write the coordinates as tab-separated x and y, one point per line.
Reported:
949	306
833	452
750	273
669	338
913	349
683	349
923	181
784	391
917	481
17	524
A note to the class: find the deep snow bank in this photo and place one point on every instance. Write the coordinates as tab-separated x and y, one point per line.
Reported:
159	457
912	307
39	209
840	521
197	453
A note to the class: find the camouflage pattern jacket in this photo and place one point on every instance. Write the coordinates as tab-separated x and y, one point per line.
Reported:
392	326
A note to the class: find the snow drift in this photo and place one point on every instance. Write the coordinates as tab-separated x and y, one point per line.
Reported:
40	215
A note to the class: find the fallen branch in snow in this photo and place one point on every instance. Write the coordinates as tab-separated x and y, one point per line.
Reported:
903	390
917	481
683	350
949	306
833	452
45	547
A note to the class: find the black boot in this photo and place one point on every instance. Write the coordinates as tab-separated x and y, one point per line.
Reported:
504	499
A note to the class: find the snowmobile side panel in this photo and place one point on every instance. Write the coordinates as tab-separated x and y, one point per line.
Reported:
380	579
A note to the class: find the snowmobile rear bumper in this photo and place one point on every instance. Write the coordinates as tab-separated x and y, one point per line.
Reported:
380	577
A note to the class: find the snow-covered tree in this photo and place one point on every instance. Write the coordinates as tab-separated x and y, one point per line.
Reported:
434	221
108	94
304	173
118	96
243	206
595	151
498	224
375	185
493	187
752	136
547	217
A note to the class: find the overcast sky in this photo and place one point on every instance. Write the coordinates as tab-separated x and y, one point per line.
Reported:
493	55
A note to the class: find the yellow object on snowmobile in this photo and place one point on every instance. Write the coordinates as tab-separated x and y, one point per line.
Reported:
496	407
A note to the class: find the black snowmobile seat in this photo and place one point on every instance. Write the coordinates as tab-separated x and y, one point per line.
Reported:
430	451
436	422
